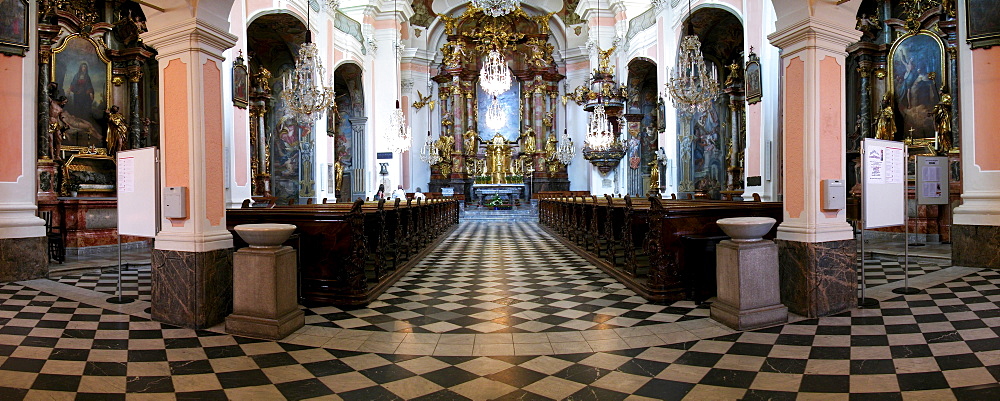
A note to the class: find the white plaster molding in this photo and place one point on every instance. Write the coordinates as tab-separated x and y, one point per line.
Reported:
190	35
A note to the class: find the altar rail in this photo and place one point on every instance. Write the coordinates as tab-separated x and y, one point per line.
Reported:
349	254
662	249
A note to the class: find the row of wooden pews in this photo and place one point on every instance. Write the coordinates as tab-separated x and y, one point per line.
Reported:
664	249
351	253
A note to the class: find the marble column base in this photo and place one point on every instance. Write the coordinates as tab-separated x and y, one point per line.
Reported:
747	276
818	279
975	246
192	289
265	300
23	258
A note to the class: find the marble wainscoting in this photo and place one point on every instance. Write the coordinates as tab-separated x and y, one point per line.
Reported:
975	246
818	279
23	258
192	289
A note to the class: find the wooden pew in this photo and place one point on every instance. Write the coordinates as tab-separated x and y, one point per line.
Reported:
662	249
351	253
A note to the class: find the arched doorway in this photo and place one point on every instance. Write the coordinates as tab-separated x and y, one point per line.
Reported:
710	142
349	129
642	109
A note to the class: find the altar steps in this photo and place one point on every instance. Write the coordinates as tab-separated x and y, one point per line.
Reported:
521	213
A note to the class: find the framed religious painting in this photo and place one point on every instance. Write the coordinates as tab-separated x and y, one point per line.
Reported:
753	80
241	83
916	75
13	27
982	23
81	75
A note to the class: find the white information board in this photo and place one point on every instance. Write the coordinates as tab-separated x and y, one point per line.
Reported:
138	192
932	180
883	193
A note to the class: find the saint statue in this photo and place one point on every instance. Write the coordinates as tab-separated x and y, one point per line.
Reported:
446	145
338	174
528	141
469	143
886	126
117	131
654	176
550	147
942	122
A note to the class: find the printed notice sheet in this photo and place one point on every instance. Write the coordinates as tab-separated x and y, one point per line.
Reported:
876	164
126	174
895	165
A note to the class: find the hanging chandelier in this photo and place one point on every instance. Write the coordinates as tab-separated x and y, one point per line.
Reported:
429	153
496	8
495	76
599	134
305	92
496	115
565	151
692	85
397	134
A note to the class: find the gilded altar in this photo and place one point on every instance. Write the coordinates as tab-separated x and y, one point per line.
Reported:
479	154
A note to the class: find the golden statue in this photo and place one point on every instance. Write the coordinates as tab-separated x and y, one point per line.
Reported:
117	131
886	126
734	74
445	146
604	59
942	122
528	144
550	147
470	143
498	159
338	174
654	176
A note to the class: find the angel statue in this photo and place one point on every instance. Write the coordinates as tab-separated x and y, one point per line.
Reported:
423	101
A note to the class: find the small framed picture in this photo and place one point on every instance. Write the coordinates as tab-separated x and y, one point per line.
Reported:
14	27
241	83
753	79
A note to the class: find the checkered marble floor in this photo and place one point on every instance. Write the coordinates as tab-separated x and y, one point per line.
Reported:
884	271
136	281
504	278
940	344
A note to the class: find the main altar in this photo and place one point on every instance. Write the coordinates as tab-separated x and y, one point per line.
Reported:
516	159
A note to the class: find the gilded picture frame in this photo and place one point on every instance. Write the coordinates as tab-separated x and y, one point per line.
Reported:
241	83
982	23
916	72
82	71
14	28
753	79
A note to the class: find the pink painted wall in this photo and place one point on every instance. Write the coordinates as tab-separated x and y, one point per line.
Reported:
257	5
754	115
175	129
986	67
10	101
831	122
214	179
794	133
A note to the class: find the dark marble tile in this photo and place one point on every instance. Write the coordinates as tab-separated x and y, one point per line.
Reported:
975	246
23	258
192	289
818	279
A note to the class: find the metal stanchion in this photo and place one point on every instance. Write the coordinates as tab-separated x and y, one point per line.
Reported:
864	302
906	289
120	299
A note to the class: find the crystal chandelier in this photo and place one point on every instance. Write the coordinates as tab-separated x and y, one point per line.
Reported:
305	92
397	134
496	8
566	151
496	115
692	85
429	153
495	76
599	135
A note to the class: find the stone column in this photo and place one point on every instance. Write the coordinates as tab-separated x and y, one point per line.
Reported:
358	159
975	233
817	247
193	255
135	126
47	169
23	252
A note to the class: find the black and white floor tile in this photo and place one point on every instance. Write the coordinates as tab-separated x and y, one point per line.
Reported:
535	322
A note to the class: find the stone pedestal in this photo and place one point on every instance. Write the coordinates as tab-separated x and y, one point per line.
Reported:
264	295
748	291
